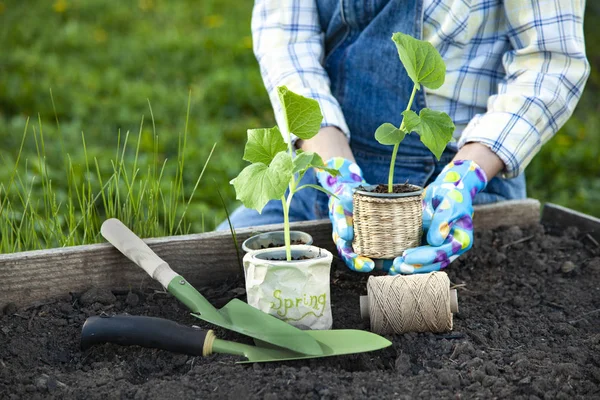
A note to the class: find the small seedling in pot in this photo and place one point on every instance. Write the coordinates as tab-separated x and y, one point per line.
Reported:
425	67
388	218
296	290
274	166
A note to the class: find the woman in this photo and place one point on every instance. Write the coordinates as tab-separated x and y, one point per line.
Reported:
515	72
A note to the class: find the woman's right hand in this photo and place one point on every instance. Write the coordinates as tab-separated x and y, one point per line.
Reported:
341	209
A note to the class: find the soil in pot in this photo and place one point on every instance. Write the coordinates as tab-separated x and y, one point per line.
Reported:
292	242
284	259
526	329
398	188
269	257
275	239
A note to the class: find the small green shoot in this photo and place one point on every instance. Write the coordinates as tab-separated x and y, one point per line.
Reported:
274	167
426	67
233	234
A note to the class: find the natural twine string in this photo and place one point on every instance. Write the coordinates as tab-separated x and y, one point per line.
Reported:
411	303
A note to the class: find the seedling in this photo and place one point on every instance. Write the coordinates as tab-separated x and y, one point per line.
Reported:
275	167
426	67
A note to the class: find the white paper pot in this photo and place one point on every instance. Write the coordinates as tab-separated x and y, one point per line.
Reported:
297	291
274	239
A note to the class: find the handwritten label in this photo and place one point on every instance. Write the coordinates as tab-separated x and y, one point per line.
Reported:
283	305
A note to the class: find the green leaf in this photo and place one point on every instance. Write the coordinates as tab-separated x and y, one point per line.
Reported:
263	145
331	171
302	115
434	127
388	134
421	60
259	183
411	120
317	187
306	160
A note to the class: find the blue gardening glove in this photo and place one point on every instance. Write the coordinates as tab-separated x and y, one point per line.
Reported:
447	219
340	209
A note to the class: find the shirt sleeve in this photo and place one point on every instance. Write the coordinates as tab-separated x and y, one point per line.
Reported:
288	44
546	71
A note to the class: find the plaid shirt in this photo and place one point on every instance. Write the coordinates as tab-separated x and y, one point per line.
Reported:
515	68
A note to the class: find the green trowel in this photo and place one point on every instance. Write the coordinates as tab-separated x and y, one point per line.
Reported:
164	334
236	315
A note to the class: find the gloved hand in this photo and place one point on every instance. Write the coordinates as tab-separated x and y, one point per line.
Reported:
447	219
340	209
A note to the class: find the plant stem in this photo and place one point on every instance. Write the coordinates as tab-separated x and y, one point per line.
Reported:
395	151
392	165
286	202
286	228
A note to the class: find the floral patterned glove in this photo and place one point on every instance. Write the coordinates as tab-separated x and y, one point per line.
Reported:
447	219
340	209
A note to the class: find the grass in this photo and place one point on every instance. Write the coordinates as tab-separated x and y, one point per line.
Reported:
152	202
112	153
104	60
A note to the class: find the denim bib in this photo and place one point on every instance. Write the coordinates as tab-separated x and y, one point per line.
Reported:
370	83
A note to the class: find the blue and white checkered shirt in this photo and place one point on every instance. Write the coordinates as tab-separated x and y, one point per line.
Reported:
512	101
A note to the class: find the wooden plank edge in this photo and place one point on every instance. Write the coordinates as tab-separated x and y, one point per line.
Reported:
201	258
521	213
555	216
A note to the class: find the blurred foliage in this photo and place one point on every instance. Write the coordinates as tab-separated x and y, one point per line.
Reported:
567	169
105	62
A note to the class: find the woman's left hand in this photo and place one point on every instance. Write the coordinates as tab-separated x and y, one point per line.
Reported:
447	219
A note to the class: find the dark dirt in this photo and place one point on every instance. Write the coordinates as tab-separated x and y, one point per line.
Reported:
271	245
284	259
398	188
528	328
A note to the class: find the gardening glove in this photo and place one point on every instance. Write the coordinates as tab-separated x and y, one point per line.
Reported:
447	219
340	209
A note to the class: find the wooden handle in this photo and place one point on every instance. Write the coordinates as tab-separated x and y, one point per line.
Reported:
137	251
365	313
454	301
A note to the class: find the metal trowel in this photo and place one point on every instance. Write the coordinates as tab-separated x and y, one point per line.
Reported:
236	315
164	334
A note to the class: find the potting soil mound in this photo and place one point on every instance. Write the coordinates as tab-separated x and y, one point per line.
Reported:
529	327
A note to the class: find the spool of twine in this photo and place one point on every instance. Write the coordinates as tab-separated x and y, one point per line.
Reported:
410	303
385	227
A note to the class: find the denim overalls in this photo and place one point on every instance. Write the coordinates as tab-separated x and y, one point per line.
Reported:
372	87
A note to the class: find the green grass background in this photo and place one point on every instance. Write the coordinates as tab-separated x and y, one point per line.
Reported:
105	61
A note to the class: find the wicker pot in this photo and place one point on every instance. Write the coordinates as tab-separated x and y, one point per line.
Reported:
386	224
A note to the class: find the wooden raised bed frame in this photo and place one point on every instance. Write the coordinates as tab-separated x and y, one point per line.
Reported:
33	276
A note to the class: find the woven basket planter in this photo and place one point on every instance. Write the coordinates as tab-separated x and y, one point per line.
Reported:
386	224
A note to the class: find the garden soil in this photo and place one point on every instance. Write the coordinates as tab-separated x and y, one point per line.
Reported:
528	328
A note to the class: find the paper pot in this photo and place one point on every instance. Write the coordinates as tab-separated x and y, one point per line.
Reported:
386	224
296	291
274	239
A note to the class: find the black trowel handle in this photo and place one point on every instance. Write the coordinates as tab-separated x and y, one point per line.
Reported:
156	333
